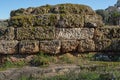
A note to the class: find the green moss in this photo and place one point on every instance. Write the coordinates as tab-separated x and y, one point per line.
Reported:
60	8
74	8
41	60
21	21
71	14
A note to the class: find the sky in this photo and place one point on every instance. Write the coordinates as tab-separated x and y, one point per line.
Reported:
7	5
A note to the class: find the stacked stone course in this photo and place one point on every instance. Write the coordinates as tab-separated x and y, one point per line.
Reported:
57	29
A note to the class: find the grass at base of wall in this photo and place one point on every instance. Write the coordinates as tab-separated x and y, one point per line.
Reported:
90	69
44	60
9	64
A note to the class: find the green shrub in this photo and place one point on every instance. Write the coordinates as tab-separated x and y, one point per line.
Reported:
10	64
40	60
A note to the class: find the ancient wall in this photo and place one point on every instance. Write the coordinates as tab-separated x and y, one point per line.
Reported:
57	29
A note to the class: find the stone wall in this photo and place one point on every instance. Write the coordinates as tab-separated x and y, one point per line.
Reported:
57	29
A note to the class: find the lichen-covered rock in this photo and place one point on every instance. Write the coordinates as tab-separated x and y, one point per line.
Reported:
69	46
7	33
74	33
86	45
33	33
115	45
58	20
107	33
71	21
8	47
103	45
22	21
61	15
93	21
58	9
43	33
27	46
31	20
52	47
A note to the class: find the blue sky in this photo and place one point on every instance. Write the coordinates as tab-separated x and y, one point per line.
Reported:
7	5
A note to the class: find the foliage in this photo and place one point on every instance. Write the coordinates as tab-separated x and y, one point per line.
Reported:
27	78
9	64
67	58
41	60
111	15
48	15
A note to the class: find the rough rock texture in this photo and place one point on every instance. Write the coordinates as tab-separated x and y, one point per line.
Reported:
74	33
57	29
108	45
115	45
8	47
62	15
6	33
93	22
58	9
27	46
33	33
69	46
86	45
103	45
71	20
52	46
107	33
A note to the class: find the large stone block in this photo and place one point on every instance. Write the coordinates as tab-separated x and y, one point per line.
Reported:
71	21
93	21
52	47
74	33
115	45
6	33
107	33
86	45
45	33
8	47
27	46
34	33
69	45
103	45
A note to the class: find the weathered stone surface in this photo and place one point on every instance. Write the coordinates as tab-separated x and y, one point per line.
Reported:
107	33
59	20
35	33
45	33
103	45
6	33
8	47
38	20
58	9
71	20
115	45
86	45
74	33
61	15
93	21
27	46
52	46
69	45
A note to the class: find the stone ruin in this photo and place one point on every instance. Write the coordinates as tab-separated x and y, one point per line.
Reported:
57	29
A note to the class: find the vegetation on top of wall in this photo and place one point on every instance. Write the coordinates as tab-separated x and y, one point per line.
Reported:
60	8
69	15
